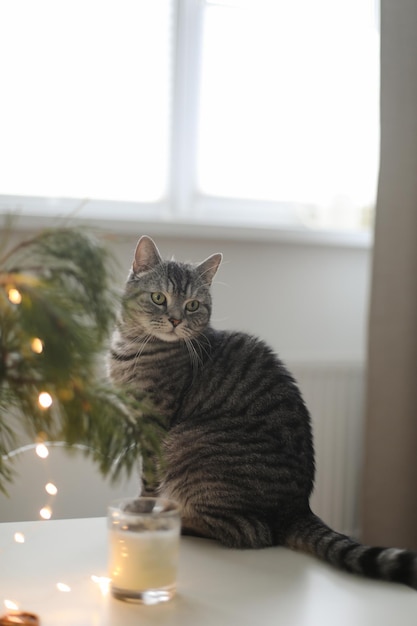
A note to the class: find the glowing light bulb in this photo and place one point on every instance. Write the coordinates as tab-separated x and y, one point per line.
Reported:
42	451
19	538
51	489
45	400
14	295
12	606
63	587
46	512
103	583
37	345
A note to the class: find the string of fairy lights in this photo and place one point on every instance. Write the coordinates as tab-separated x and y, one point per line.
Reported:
45	513
41	449
45	402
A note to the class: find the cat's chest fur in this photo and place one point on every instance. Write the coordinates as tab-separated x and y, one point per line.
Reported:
180	380
158	369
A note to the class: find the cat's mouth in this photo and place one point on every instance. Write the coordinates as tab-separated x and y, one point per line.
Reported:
174	334
170	335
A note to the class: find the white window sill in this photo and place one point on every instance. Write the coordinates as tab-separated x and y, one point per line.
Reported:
202	229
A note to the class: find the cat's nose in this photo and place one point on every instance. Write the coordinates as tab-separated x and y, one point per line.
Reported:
174	321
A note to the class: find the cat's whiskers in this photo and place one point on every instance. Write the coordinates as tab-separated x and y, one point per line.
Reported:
201	346
144	342
125	372
195	358
126	345
192	353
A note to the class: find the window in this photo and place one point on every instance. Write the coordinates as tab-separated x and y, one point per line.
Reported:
254	112
86	100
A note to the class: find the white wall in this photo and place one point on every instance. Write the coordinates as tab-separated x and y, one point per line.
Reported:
309	302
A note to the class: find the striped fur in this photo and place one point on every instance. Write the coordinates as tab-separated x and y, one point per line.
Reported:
239	450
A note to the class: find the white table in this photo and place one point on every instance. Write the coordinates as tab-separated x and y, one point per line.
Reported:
217	586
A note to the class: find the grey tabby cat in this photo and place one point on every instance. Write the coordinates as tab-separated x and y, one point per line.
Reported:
239	451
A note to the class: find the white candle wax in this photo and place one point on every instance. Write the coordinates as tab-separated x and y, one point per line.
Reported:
143	560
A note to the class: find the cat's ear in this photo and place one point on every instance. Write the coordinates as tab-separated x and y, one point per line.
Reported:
146	255
209	267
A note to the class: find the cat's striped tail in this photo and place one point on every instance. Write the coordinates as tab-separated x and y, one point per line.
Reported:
310	534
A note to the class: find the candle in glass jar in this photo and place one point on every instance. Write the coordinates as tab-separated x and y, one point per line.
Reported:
143	560
143	549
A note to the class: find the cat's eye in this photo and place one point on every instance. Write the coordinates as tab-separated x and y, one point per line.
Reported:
192	305
158	297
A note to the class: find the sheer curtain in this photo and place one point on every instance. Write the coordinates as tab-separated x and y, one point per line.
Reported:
390	478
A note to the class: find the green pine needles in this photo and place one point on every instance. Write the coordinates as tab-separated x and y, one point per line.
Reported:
57	309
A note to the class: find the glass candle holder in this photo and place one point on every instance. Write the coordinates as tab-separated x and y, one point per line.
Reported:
143	549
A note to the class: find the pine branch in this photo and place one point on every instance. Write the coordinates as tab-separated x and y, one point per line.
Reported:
52	333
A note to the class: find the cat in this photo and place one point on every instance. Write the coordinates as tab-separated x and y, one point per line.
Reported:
238	451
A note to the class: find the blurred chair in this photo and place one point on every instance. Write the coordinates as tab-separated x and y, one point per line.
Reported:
81	489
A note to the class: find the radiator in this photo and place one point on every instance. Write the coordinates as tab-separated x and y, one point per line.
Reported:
334	394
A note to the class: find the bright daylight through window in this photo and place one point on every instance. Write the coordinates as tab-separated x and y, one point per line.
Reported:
257	112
